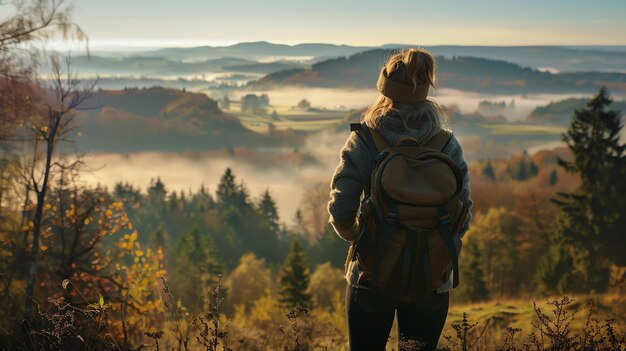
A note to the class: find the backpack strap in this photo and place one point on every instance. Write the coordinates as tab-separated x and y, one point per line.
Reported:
440	140
374	142
381	144
446	234
364	133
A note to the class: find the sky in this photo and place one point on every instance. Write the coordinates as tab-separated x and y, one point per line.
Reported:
157	23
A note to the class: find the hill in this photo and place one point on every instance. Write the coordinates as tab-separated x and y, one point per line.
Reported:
260	49
142	65
560	112
159	66
557	58
160	119
464	73
560	58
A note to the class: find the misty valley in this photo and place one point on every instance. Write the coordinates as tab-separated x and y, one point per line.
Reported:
278	115
179	198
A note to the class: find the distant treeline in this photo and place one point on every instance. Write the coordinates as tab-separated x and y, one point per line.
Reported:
464	73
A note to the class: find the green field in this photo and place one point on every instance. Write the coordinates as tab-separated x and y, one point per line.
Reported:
522	129
287	118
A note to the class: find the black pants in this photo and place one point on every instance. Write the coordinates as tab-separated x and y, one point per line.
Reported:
370	317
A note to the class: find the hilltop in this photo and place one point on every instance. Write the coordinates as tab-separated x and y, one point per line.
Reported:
154	66
162	119
463	73
560	112
561	58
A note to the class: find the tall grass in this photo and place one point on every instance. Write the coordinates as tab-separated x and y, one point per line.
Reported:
64	326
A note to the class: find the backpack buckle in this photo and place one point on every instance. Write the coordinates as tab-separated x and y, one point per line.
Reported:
445	219
443	215
391	218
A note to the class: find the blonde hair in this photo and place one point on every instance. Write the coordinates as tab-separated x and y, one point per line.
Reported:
414	67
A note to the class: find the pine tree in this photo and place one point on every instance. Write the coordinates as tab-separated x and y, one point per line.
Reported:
227	189
229	194
157	192
173	201
295	278
553	177
269	210
202	200
300	227
474	287
589	219
160	239
488	171
533	170
196	262
522	169
555	268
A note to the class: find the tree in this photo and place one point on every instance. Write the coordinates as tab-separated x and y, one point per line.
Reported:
304	104
47	132
269	211
229	194
294	279
196	261
314	212
488	171
23	24
300	228
591	219
249	281
157	193
326	281
329	248
497	235
37	19
533	170
554	178
555	268
160	240
474	287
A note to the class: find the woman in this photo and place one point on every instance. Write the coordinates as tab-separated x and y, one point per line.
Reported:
370	315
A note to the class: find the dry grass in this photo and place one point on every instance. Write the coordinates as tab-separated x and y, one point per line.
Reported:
583	323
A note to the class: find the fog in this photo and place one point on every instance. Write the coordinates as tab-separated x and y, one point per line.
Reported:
180	171
359	98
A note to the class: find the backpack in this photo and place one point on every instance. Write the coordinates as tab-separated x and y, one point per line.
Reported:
410	211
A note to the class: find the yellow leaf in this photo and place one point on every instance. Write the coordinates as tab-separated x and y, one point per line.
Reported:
86	221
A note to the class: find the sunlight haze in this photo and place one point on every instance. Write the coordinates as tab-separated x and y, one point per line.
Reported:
159	23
